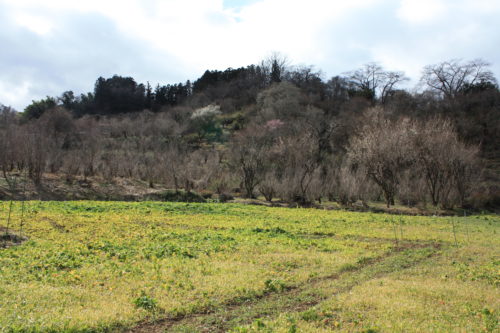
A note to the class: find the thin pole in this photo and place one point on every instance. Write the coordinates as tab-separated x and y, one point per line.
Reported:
8	220
23	206
401	226
454	231
466	226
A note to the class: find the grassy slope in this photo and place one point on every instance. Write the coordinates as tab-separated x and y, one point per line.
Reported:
225	266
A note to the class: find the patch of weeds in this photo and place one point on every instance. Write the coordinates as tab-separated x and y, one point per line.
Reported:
244	294
370	330
490	320
64	260
310	315
363	260
348	267
168	250
487	272
258	325
293	324
274	285
147	303
286	266
120	251
271	231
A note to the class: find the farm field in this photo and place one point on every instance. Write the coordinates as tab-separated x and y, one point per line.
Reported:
119	266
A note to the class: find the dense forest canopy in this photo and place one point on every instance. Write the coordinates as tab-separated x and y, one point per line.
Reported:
276	130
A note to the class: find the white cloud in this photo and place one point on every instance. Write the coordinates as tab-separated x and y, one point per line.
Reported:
66	44
420	11
38	25
11	94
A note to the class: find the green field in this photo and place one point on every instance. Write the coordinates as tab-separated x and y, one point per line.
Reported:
150	266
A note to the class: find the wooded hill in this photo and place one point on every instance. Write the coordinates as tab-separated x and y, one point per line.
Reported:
276	131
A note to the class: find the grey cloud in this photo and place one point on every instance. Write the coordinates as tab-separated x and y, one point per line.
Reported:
79	49
83	46
352	39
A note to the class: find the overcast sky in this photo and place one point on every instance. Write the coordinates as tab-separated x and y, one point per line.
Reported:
50	46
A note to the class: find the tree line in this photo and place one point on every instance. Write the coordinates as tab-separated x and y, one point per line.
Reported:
278	131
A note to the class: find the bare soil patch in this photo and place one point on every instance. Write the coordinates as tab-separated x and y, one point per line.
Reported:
9	238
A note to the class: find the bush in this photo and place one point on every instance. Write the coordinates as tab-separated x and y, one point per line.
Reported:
206	194
224	197
485	197
181	196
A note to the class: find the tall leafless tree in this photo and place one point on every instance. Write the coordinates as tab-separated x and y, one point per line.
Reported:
373	78
452	76
248	154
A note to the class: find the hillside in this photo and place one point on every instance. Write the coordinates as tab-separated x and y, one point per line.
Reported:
271	130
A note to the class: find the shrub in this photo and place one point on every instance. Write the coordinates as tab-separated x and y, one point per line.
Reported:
181	196
206	194
224	197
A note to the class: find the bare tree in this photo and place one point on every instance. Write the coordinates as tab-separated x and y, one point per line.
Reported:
446	163
465	169
199	167
348	184
90	146
7	116
374	81
59	132
268	186
36	144
280	101
71	164
297	163
337	88
383	150
451	77
10	149
148	162
275	66
413	188
391	79
431	145
172	162
309	80
248	155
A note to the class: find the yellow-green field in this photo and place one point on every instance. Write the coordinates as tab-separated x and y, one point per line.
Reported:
150	266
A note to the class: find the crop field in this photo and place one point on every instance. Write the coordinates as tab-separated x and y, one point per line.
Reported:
177	267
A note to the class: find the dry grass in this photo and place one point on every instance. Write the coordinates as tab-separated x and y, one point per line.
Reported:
87	263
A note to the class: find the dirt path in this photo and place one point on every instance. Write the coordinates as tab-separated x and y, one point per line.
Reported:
294	299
